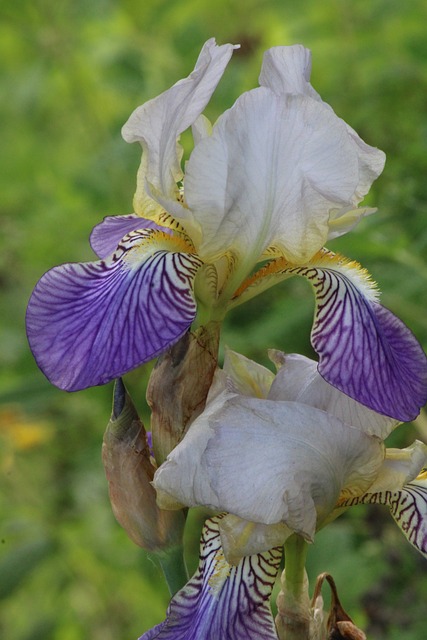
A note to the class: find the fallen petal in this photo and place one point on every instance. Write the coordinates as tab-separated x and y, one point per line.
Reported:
221	601
364	350
89	323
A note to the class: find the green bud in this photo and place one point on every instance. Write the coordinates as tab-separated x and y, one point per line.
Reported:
129	469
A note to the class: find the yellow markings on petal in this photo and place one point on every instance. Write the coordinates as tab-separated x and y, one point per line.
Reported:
220	573
166	220
422	476
279	269
139	243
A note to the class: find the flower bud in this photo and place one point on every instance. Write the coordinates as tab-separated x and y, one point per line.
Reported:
179	385
129	472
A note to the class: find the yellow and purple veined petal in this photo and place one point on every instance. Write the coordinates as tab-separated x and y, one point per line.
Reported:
88	323
158	123
221	601
402	486
106	235
364	350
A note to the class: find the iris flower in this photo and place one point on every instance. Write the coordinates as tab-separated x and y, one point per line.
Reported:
286	454
282	454
272	180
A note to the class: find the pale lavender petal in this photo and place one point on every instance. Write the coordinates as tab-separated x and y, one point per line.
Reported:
364	350
221	601
106	236
89	323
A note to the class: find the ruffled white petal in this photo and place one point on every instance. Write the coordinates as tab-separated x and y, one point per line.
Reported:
287	70
271	173
268	462
158	123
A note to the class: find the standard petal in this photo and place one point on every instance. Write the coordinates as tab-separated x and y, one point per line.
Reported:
158	123
299	380
89	323
221	601
106	235
300	164
268	462
287	70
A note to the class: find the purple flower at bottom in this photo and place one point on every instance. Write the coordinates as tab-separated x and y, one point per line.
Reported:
222	601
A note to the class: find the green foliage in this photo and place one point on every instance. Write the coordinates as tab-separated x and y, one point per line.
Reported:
72	72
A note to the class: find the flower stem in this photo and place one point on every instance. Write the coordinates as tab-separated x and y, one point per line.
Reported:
293	603
295	557
174	568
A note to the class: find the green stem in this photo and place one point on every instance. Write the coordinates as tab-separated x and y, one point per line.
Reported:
293	604
174	568
295	558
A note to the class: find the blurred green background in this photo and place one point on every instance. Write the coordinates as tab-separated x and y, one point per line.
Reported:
71	73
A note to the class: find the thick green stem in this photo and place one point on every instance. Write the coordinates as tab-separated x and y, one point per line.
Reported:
293	618
295	558
174	568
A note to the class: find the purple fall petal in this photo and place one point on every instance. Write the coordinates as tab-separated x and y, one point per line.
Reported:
222	602
91	322
106	236
365	350
408	506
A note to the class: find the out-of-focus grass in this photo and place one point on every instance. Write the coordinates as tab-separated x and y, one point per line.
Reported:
71	74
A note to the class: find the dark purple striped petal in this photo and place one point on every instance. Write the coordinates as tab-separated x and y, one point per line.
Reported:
364	350
222	601
91	322
106	236
408	508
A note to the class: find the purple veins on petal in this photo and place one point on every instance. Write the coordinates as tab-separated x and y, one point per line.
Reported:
106	235
408	506
88	323
221	601
364	350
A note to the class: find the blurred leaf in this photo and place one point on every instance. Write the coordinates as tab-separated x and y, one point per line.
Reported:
20	562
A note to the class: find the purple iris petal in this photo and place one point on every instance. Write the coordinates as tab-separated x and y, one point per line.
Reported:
408	506
91	322
106	236
365	350
222	602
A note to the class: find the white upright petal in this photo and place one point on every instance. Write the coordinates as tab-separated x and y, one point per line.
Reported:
287	70
271	172
268	462
299	380
158	123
